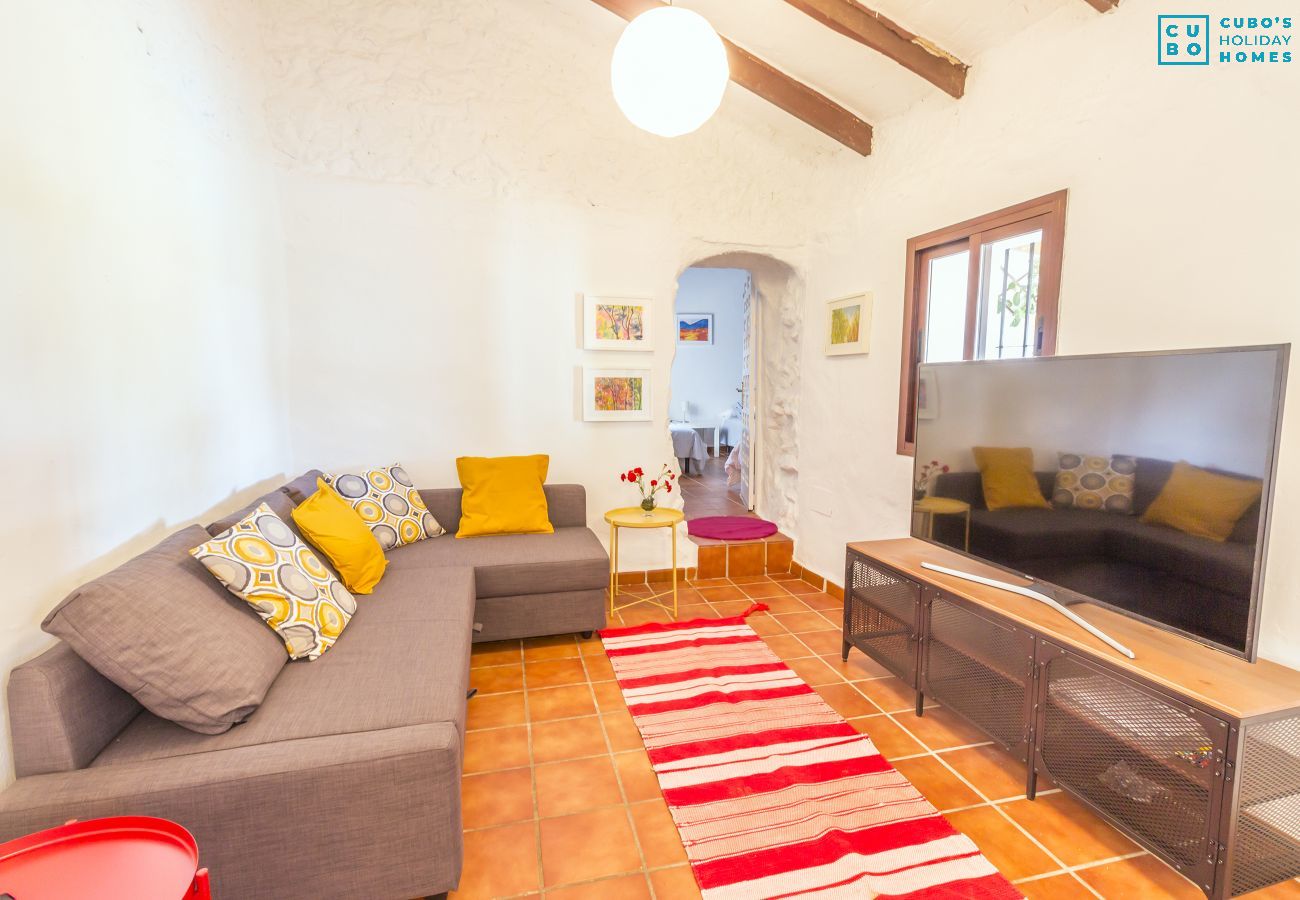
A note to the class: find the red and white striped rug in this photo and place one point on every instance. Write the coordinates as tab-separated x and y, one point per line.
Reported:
774	794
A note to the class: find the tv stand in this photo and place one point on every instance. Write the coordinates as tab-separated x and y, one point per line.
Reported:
1193	753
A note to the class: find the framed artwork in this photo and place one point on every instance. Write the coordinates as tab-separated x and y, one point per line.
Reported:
848	325
695	328
616	395
927	395
616	323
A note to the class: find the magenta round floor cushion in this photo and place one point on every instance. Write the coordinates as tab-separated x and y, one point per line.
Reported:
730	528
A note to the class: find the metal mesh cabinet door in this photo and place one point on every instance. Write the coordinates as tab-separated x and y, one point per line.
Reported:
881	615
1265	846
981	669
1149	763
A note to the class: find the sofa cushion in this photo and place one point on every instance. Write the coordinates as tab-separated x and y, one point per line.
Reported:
388	502
164	630
403	660
263	561
332	526
1009	478
1095	482
278	502
1012	534
566	504
302	487
571	559
503	495
1224	566
1203	503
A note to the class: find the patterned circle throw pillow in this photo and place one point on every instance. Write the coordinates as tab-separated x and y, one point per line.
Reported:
262	561
388	502
1095	482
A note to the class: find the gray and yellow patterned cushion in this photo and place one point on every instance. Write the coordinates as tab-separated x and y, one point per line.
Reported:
1095	482
388	502
260	560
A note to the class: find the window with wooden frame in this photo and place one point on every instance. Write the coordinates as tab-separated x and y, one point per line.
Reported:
986	288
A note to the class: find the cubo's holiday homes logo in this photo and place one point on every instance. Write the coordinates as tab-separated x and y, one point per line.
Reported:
1186	40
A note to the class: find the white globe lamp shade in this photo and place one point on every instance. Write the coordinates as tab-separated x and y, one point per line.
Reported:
669	71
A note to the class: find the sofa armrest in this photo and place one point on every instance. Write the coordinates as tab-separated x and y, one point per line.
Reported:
567	505
62	712
370	814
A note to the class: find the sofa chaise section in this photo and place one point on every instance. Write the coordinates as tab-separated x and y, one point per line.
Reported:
345	782
526	585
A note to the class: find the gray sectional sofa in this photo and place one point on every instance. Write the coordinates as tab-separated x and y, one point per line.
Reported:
345	781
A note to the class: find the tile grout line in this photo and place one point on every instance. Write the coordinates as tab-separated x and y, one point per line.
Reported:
532	767
618	776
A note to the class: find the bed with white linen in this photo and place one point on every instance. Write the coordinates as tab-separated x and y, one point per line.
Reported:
688	446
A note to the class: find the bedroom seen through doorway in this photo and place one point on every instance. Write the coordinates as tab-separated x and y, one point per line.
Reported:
710	408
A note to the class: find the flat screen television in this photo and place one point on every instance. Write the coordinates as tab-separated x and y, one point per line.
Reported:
1136	481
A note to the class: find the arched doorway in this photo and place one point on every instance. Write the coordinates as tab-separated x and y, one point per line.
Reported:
762	433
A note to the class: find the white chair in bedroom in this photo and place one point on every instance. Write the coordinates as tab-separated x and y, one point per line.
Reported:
729	427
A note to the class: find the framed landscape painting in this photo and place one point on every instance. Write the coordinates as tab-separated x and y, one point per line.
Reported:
848	325
616	395
616	323
695	328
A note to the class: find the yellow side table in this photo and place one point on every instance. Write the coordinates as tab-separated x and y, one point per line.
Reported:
929	507
636	517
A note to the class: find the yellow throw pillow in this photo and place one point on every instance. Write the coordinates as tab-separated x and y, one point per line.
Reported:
336	529
1008	475
1202	503
503	495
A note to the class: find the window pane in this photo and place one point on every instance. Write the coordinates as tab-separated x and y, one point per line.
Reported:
1008	312
945	313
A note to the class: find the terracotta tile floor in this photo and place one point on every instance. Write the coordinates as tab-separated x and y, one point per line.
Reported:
560	801
707	494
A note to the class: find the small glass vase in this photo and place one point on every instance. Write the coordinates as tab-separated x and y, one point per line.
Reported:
648	504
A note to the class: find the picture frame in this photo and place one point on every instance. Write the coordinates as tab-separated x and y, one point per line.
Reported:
617	395
848	325
694	328
927	395
617	323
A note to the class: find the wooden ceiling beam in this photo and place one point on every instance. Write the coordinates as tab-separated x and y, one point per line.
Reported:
775	86
866	26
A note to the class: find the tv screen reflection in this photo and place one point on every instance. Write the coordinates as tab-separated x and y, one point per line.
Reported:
1140	481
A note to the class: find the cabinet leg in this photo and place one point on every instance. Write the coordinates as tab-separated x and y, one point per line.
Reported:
844	651
1031	782
920	704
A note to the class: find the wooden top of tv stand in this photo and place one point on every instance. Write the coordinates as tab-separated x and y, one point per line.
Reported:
1211	677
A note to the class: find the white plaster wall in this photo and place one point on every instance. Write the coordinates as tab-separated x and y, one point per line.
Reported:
1181	232
140	288
453	175
707	376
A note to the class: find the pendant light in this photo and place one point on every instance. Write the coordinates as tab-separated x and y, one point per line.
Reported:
669	71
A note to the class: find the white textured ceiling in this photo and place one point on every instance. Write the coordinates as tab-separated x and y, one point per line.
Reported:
857	77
